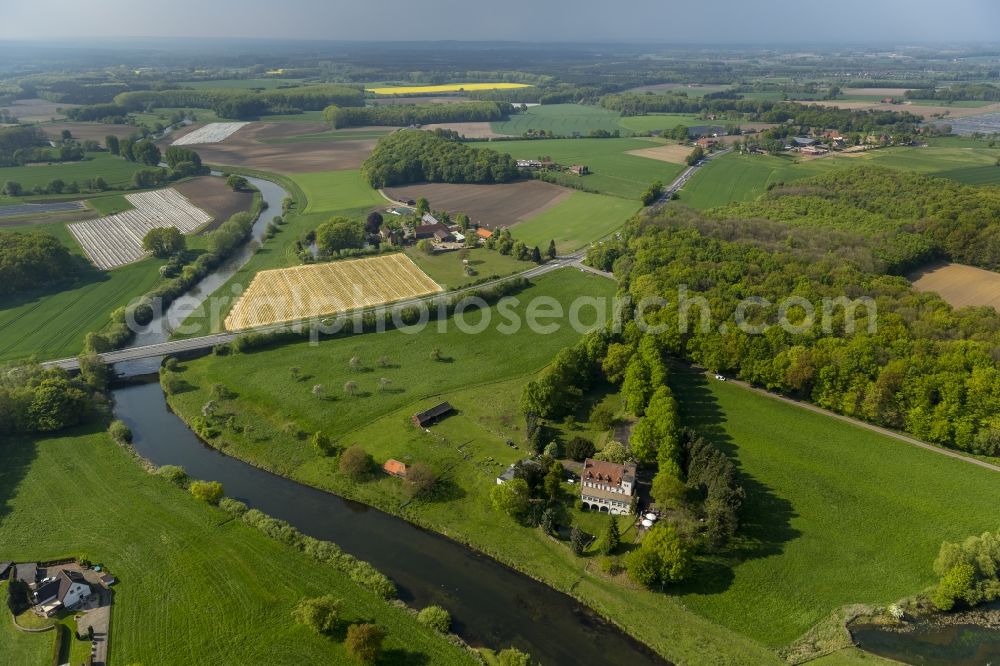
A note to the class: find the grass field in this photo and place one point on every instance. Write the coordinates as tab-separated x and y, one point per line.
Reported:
54	325
329	191
835	514
114	170
576	221
614	172
109	205
195	586
447	269
741	177
660	121
314	290
445	88
560	119
21	648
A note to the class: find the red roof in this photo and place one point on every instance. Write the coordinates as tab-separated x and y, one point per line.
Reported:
484	233
606	472
394	467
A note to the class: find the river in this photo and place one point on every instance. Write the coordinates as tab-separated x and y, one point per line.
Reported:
491	605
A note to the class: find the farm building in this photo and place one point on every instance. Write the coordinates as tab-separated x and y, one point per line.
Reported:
801	141
437	231
607	487
706	142
529	164
579	169
484	233
27	573
429	416
394	468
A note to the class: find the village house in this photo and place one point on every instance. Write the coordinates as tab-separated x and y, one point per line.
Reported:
607	487
394	468
429	416
706	142
484	233
65	590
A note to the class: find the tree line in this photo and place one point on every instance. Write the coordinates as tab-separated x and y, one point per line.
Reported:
34	261
404	115
414	156
242	104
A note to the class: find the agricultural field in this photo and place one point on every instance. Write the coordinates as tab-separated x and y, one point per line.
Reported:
490	206
446	88
210	133
660	121
87	131
262	146
315	290
576	222
212	195
675	153
336	191
54	324
36	110
116	240
960	285
560	119
195	586
613	170
114	170
448	268
310	133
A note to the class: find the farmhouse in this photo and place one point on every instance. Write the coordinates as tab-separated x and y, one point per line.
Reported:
432	415
706	142
394	468
607	487
437	231
484	233
65	590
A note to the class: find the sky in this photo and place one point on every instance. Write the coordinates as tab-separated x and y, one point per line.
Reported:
667	21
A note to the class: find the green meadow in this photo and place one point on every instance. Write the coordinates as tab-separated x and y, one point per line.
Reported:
329	191
560	119
116	171
195	586
614	171
575	222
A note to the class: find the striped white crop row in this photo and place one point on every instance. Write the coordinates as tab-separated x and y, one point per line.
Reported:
210	133
116	240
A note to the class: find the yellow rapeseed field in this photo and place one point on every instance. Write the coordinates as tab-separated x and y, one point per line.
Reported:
316	290
448	87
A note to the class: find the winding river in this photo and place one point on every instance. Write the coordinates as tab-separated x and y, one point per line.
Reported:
492	605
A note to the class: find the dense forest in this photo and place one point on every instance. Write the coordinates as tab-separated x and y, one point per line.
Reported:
244	104
911	218
798	115
34	261
983	92
33	399
403	115
926	368
414	156
16	143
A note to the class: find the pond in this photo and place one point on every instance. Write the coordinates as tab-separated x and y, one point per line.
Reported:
932	645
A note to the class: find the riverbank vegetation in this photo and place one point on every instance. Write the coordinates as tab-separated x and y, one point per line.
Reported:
220	591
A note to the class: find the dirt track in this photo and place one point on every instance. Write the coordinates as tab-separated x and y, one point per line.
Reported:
487	205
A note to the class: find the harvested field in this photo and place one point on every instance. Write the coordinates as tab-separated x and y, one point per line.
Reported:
36	110
673	153
316	290
960	285
88	131
116	240
490	206
210	133
874	92
915	109
245	148
212	195
483	130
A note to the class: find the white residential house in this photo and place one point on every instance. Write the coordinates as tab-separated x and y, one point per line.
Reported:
607	487
65	590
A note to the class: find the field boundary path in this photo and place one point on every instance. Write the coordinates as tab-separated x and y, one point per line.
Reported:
208	341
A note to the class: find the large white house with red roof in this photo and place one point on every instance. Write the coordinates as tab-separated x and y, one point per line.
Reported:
607	487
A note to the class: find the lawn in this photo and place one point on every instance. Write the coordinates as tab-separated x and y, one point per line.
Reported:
614	171
20	648
195	586
329	191
575	222
835	514
54	324
447	269
560	119
114	170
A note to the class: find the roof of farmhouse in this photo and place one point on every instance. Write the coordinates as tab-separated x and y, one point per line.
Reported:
607	472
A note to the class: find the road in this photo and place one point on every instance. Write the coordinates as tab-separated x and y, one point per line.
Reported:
685	176
208	341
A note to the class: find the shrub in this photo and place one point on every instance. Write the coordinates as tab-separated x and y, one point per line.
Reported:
172	473
420	480
513	657
232	506
320	614
436	618
579	449
207	491
120	432
364	642
355	462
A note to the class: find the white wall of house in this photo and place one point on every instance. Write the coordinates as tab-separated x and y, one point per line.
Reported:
77	591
